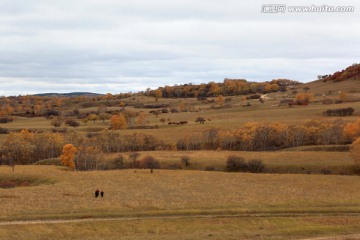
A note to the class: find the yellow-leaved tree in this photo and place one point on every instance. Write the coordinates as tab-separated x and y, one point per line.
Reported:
118	121
68	156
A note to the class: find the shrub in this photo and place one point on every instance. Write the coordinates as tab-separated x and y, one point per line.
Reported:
256	166
327	101
6	119
185	160
72	123
133	157
4	130
164	110
119	162
150	163
52	112
209	168
254	96
235	164
326	171
7	184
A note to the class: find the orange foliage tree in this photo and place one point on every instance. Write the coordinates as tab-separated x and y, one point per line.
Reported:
118	121
68	156
352	130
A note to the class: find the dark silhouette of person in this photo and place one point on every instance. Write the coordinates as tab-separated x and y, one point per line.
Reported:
97	193
102	193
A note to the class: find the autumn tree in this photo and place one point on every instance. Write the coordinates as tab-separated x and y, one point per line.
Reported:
88	158
122	105
150	163
185	160
220	100
85	120
118	121
56	122
141	119
352	130
133	157
68	156
343	96
200	120
158	94
104	116
19	147
93	117
304	97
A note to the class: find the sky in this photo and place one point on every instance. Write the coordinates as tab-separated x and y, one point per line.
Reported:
129	45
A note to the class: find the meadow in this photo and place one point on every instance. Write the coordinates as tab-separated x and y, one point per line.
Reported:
241	202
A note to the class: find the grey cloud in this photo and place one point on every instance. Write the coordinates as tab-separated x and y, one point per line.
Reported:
130	45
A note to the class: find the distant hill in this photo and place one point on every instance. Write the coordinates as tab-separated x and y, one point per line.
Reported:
347	80
72	94
351	72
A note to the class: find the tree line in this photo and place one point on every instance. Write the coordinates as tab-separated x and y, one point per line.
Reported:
272	136
229	87
26	147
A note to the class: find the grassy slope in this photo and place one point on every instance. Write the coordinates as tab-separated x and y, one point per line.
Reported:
280	161
172	192
189	228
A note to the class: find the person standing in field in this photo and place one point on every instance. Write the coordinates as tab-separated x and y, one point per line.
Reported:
97	193
102	193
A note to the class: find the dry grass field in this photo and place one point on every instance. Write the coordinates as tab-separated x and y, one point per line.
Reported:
277	161
280	206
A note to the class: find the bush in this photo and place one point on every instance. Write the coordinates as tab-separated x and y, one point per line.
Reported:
52	112
6	119
209	168
327	101
236	164
150	163
185	160
4	130
254	96
7	184
72	123
119	162
326	171
256	166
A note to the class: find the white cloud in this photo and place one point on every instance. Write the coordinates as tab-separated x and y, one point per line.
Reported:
128	45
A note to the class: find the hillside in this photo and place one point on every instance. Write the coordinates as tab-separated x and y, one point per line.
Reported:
71	94
347	80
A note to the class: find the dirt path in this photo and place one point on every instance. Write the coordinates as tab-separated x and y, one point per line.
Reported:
78	220
340	237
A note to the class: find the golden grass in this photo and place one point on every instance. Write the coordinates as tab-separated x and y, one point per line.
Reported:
283	161
129	193
188	228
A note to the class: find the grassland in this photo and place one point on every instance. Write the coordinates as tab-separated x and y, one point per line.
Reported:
235	205
296	161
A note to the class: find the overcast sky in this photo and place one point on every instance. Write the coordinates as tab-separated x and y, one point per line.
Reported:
128	45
